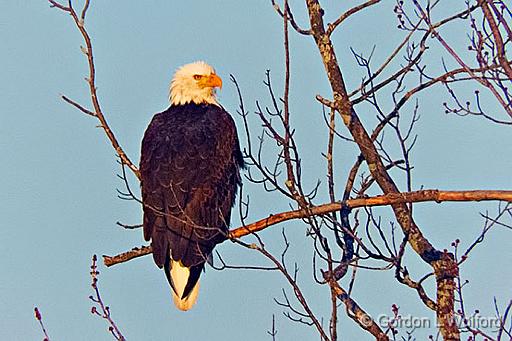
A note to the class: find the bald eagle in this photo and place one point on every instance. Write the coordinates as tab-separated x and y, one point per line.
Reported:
190	172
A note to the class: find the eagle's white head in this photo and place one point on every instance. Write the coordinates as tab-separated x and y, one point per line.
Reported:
194	82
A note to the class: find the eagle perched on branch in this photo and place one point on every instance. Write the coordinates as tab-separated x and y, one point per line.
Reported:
190	164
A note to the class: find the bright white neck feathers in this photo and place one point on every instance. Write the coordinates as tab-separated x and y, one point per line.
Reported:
195	83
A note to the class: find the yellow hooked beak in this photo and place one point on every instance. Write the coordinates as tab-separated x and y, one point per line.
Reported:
211	81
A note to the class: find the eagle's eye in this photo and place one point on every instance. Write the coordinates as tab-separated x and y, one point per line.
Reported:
197	77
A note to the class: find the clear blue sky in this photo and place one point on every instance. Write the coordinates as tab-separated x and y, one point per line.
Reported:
58	203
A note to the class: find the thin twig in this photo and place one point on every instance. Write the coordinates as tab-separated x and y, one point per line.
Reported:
331	27
98	302
39	318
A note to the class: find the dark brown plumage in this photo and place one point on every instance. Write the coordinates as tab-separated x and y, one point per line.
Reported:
189	170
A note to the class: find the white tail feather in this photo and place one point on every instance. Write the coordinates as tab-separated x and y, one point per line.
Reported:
180	275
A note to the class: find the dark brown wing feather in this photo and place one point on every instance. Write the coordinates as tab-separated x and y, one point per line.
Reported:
189	169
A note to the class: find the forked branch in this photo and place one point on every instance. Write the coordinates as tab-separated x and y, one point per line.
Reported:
91	81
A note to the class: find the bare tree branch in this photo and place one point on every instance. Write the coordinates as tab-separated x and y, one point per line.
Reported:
500	46
359	315
331	27
382	200
91	81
